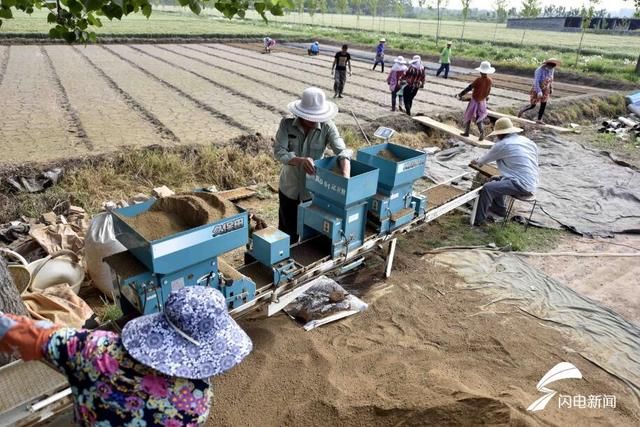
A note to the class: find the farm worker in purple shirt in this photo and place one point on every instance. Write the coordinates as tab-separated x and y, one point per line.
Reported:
542	87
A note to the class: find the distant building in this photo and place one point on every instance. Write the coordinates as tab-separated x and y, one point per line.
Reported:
573	23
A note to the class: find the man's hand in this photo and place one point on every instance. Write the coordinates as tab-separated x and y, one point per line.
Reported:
306	163
345	166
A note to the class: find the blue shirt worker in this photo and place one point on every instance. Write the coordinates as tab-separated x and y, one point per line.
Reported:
300	141
380	55
314	49
517	159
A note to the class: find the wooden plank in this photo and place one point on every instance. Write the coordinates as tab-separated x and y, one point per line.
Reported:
486	170
454	131
497	115
237	193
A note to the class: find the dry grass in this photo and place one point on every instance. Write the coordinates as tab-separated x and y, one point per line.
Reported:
93	181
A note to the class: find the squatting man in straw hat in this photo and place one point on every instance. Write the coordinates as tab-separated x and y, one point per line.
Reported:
154	374
517	159
300	141
477	109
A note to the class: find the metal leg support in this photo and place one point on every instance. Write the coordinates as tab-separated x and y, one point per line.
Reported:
509	209
535	202
390	255
474	210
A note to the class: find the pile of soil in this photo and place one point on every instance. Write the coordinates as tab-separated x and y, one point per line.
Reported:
441	194
425	352
175	214
252	144
388	155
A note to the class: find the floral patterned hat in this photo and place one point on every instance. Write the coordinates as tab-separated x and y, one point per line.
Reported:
193	338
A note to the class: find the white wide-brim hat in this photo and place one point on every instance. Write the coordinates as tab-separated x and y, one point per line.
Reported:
486	68
400	60
416	59
383	40
313	106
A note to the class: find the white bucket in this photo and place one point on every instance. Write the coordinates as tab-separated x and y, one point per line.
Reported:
61	267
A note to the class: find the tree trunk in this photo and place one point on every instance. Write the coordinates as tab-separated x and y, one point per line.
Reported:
638	66
464	23
522	41
10	301
580	47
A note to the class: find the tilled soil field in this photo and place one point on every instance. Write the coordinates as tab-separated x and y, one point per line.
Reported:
62	101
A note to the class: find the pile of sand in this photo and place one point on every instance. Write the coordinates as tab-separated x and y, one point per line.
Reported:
388	155
424	353
174	214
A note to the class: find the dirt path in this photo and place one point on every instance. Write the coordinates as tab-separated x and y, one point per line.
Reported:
34	123
613	282
106	118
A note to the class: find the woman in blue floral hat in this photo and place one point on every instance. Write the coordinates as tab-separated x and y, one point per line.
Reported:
154	374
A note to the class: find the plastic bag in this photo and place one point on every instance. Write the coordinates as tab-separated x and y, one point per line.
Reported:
100	242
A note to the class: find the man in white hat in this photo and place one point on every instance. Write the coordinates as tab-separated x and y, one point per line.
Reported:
299	142
414	77
380	55
517	159
314	49
477	109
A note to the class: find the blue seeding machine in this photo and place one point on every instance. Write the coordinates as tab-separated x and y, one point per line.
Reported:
346	219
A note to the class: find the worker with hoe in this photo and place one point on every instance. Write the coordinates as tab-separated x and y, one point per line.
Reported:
380	55
445	61
477	108
517	159
156	373
341	61
542	87
300	141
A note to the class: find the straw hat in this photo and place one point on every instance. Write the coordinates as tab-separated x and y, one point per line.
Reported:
486	68
553	61
194	337
313	106
400	60
449	43
383	40
504	126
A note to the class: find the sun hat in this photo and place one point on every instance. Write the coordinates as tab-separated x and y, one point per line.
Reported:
552	61
449	43
383	40
193	338
313	106
486	68
400	60
504	126
416	59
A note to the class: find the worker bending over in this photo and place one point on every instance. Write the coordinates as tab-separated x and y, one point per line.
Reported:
314	49
155	374
300	141
517	159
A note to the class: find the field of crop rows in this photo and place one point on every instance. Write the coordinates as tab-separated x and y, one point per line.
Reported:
61	101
